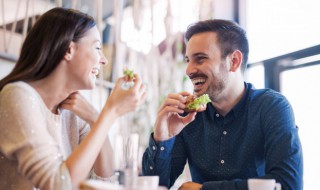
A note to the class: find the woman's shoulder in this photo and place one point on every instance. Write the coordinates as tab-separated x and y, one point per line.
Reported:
17	88
19	93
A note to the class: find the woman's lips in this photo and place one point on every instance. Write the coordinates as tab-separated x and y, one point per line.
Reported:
95	71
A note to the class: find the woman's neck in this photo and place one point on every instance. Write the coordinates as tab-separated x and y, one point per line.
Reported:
53	92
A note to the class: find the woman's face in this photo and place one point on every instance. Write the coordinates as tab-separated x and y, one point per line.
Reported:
86	60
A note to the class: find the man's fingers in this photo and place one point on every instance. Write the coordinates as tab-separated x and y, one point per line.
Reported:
173	103
188	118
170	109
179	97
202	108
185	93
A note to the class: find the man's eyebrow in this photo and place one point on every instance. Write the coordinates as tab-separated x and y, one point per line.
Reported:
199	54
196	55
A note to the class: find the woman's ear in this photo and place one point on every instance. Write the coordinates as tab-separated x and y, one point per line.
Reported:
236	60
70	52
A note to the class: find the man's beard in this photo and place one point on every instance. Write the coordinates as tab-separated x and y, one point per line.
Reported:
219	83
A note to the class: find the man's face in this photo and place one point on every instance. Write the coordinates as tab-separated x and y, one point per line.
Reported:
207	71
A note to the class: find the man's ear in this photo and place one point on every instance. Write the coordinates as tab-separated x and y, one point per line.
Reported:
70	52
236	60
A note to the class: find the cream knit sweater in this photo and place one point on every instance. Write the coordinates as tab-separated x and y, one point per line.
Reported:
34	142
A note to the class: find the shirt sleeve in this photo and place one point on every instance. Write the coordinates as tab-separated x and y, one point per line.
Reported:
283	152
165	159
282	148
24	138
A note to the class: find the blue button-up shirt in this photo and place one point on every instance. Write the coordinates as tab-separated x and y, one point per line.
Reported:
258	138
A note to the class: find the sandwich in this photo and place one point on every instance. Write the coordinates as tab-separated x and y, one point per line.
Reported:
129	79
193	103
129	74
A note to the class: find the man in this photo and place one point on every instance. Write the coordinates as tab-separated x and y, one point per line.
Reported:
243	133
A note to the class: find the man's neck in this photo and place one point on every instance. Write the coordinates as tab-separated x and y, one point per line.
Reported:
231	96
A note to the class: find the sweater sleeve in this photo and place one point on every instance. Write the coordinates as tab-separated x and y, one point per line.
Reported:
165	159
24	138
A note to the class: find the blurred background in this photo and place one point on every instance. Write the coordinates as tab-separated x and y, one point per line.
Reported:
148	36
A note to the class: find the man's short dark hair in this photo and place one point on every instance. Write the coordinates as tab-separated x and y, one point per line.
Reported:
230	36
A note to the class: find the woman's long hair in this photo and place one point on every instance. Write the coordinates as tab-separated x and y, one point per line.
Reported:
47	43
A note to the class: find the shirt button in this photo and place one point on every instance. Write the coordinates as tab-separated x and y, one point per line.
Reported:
153	147
224	132
217	115
222	161
162	148
151	168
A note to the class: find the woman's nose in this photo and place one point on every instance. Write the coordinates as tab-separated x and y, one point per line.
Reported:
104	60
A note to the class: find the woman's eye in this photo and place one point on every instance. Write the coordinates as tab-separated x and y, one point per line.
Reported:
99	48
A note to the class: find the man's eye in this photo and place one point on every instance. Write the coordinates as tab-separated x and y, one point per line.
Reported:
99	48
200	59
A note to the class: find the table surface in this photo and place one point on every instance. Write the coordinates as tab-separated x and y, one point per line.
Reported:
102	185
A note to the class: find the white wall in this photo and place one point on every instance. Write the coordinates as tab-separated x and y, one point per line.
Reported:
5	68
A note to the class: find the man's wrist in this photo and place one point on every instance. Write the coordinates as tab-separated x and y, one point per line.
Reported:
201	187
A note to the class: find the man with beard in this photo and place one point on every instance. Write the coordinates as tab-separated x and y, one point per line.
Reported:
243	133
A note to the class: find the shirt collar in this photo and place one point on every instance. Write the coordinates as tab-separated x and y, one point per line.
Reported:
238	108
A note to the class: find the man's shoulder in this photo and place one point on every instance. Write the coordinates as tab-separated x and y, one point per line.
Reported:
267	99
263	94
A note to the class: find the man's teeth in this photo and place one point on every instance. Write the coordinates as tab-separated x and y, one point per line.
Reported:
198	81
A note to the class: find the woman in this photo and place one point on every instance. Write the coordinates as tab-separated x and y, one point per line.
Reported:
46	141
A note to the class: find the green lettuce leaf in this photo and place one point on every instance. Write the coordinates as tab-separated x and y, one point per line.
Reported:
204	99
129	73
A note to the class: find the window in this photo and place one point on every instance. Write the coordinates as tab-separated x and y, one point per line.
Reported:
255	75
275	28
301	89
278	27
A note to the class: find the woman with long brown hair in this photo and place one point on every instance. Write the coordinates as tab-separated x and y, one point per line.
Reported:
51	138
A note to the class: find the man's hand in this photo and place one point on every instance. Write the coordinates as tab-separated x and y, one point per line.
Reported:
76	103
169	123
190	186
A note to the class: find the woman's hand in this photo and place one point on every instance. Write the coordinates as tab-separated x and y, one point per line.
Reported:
122	101
76	103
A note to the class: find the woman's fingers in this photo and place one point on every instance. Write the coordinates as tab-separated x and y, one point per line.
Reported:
137	82
143	96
